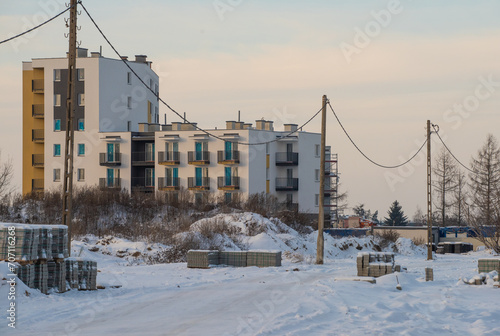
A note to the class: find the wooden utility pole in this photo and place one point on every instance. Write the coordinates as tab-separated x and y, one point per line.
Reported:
429	193
70	127
321	211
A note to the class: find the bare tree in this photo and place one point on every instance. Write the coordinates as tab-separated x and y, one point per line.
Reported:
6	174
445	172
419	217
485	194
460	197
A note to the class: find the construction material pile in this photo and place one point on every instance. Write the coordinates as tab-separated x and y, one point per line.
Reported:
26	273
206	259
429	274
59	241
488	265
454	247
56	276
375	264
71	265
41	277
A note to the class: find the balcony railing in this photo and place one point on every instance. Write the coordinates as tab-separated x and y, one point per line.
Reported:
199	158
197	183
37	185
287	159
143	158
38	135
287	184
169	158
110	159
228	157
228	183
114	183
142	184
37	111
37	86
168	183
37	160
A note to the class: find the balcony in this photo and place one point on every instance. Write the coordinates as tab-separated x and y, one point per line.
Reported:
287	184
110	159
114	183
142	184
37	111
37	86
287	159
198	183
232	157
143	158
37	160
38	135
228	183
199	158
169	158
168	183
37	185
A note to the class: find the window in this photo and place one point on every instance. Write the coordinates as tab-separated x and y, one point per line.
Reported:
80	174
81	149
57	99
129	78
57	75
316	175
81	124
317	150
57	125
316	200
151	84
57	150
129	102
80	74
57	175
81	99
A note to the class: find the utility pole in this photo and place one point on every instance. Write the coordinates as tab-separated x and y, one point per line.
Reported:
429	193
321	213
70	128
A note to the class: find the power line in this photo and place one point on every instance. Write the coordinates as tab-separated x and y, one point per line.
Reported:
36	27
366	157
177	113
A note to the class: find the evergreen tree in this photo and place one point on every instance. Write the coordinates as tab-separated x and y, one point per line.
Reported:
375	216
359	210
396	215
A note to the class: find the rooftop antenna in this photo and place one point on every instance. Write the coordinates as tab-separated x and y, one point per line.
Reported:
184	117
239	113
165	119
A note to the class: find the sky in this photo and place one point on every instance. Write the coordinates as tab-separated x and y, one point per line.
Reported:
386	66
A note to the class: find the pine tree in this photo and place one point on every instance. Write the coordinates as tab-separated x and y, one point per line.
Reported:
445	172
396	215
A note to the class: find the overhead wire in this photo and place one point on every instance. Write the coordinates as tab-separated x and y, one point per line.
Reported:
36	27
177	113
366	157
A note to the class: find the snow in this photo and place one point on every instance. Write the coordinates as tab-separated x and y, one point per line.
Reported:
299	298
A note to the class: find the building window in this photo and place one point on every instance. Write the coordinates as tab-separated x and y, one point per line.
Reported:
57	175
316	200
151	84
57	75
316	175
57	125
81	149
57	150
81	124
57	99
317	150
81	74
129	78
81	99
129	102
80	174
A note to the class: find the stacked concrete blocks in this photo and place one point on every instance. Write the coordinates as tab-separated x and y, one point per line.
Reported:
375	264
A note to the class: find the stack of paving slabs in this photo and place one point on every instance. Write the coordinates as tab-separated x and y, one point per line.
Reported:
26	244
202	258
59	241
456	247
233	258
26	273
44	250
57	276
429	274
488	265
375	264
264	258
41	277
71	265
87	274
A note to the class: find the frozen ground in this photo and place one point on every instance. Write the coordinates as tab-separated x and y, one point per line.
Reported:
298	298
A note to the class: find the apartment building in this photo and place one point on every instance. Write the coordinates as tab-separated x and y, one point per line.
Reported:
120	144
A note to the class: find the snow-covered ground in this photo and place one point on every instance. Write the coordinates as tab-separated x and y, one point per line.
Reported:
299	298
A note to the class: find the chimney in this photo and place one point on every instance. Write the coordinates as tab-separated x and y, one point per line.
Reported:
230	125
238	125
247	125
95	54
176	126
141	59
166	127
260	124
269	125
143	127
81	52
291	127
153	127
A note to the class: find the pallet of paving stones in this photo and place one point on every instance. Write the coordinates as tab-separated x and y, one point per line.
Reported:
41	277
375	264
488	265
264	258
202	258
56	276
454	247
208	258
233	258
81	273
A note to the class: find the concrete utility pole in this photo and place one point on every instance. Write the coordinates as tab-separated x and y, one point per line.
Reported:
429	193
70	128
321	212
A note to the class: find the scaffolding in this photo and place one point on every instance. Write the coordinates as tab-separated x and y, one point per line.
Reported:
331	188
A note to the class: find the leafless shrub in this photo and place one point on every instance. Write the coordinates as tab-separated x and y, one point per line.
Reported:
386	238
419	241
